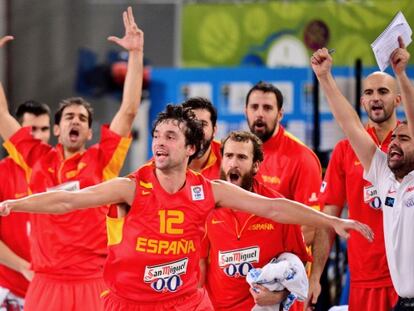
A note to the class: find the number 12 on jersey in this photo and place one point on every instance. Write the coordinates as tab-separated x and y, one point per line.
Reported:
169	219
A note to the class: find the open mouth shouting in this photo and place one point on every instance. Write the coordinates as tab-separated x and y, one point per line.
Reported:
395	154
377	108
234	176
74	135
259	126
161	154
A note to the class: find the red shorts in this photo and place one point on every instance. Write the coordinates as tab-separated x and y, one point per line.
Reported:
372	299
199	301
48	293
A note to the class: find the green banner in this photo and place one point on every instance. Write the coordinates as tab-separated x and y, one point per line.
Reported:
285	33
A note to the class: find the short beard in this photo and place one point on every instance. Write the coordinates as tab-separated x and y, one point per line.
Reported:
264	136
383	119
246	180
401	169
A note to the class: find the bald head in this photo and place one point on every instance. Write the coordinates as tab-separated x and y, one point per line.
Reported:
380	97
379	78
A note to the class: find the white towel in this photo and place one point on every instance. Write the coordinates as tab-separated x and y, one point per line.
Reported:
339	308
286	271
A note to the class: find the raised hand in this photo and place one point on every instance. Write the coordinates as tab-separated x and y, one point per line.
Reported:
134	37
321	62
342	226
399	57
5	39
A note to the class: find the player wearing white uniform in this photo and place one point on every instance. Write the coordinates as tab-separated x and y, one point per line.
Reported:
398	210
392	174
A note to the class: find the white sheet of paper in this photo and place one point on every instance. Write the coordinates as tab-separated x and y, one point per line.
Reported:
387	41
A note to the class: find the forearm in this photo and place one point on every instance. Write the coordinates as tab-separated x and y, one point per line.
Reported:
54	202
291	212
131	97
407	95
278	209
11	259
320	251
133	82
322	244
8	124
114	191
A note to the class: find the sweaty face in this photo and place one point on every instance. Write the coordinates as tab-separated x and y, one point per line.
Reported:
401	152
168	146
380	97
40	125
205	117
262	114
73	129
237	164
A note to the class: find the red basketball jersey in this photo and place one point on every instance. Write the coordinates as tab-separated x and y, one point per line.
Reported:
155	250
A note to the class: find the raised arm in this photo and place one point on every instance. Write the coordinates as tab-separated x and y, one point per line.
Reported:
342	110
133	41
399	61
8	124
118	190
282	210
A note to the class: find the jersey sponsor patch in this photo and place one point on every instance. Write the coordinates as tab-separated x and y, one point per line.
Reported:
166	277
67	186
389	201
369	193
238	262
371	197
197	193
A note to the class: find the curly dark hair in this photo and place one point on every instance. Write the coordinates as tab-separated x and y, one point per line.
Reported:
193	128
202	103
244	136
